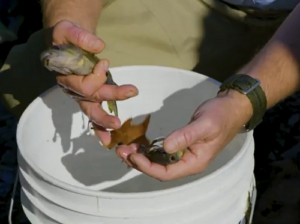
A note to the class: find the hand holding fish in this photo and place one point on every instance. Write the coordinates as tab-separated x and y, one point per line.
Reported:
208	132
84	77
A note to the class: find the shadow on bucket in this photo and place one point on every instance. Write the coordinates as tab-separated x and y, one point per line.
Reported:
78	159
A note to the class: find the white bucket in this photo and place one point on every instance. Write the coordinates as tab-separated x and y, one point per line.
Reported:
67	177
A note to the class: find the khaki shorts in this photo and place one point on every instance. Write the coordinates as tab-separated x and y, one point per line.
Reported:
207	36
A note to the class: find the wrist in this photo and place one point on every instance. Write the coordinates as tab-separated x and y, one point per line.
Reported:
47	23
240	104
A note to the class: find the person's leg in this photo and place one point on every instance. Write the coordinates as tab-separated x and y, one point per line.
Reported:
172	33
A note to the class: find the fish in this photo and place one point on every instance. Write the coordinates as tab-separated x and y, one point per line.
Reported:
157	154
69	59
130	133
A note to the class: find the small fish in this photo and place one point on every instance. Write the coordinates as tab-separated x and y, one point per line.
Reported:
130	133
156	153
69	59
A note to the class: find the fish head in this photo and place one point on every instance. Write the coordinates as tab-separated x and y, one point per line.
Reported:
156	153
63	59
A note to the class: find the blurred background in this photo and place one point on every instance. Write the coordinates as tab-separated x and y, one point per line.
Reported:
18	20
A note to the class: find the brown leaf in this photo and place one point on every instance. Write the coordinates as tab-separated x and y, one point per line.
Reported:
129	133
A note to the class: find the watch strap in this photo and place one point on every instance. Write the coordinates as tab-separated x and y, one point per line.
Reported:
250	87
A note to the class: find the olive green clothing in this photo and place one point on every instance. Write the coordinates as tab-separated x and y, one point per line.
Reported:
203	35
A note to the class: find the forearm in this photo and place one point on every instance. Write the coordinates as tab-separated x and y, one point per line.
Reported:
277	66
83	13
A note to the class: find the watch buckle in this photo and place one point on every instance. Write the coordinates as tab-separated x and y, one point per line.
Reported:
251	88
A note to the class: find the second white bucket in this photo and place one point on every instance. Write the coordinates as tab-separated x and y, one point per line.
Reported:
67	177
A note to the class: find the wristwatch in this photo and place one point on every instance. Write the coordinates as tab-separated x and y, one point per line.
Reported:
250	87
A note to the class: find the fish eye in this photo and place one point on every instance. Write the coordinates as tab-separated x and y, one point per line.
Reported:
173	158
56	47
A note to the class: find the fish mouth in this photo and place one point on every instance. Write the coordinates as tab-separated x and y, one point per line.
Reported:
46	60
173	159
45	57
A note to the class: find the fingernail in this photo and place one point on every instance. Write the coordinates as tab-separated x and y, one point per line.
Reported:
104	65
95	44
130	94
170	145
123	155
135	147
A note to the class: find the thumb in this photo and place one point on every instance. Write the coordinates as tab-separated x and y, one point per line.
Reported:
183	138
67	32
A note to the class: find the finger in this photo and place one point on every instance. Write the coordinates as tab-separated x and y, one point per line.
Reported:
184	137
104	93
188	165
113	92
73	95
102	134
67	32
124	151
98	116
86	85
92	86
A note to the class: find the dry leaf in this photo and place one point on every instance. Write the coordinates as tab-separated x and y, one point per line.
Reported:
129	133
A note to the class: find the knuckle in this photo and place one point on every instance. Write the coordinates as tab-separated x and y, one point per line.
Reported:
117	93
97	96
187	137
80	35
59	26
212	126
60	29
86	91
62	23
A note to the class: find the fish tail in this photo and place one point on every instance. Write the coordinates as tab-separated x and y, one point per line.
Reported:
112	106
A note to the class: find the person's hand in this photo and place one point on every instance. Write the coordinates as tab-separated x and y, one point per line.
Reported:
92	86
213	125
